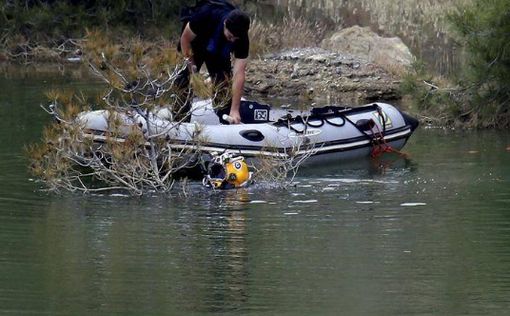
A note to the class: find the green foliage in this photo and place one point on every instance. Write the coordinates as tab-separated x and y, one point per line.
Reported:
70	18
432	98
482	96
483	29
49	30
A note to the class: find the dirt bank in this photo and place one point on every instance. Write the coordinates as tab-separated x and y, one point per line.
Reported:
311	74
318	74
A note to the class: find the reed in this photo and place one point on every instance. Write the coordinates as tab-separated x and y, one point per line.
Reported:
291	31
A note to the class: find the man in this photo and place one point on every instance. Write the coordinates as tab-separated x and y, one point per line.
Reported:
212	32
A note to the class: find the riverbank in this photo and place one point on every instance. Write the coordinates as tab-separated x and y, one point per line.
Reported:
315	74
297	77
464	83
311	74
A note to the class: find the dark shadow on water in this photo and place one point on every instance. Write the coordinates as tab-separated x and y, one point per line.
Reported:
367	166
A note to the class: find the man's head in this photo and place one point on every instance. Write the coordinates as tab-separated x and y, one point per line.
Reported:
237	25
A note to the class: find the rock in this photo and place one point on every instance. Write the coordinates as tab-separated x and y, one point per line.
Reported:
364	43
319	74
263	87
317	58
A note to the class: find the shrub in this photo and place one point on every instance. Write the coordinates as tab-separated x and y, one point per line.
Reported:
52	18
482	30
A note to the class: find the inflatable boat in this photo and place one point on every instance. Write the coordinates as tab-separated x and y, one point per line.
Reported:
324	135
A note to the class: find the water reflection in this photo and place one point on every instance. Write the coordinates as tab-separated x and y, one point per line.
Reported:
429	235
110	254
345	237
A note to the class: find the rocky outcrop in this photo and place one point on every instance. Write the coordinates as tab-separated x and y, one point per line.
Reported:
362	42
318	74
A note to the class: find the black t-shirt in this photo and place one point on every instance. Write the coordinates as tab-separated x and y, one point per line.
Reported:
207	22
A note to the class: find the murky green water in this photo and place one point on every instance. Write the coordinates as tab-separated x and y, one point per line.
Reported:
429	237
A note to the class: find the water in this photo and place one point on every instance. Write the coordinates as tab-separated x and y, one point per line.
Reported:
425	237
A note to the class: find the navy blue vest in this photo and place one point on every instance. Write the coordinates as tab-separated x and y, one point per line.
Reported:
218	45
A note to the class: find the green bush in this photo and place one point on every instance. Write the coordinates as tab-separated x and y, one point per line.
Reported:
483	29
432	98
53	18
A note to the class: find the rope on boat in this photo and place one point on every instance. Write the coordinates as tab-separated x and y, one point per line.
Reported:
380	146
318	114
367	127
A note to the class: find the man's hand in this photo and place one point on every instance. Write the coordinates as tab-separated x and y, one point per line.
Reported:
235	116
191	65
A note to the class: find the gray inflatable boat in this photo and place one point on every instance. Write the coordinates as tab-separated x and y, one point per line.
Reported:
324	135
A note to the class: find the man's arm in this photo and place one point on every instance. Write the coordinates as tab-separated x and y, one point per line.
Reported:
186	38
237	89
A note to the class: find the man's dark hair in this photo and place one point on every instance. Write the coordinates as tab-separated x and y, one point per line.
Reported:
238	23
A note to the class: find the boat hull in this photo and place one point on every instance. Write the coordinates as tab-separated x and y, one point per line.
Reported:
326	135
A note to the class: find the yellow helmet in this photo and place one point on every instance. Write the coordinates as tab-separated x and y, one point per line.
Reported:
237	172
226	172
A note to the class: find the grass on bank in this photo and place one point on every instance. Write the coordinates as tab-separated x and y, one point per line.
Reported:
478	97
435	100
289	31
48	30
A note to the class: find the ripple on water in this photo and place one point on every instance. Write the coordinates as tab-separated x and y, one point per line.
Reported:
357	180
411	204
305	201
258	202
367	202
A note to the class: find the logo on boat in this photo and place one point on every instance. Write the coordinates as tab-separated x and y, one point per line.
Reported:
261	115
385	119
306	133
